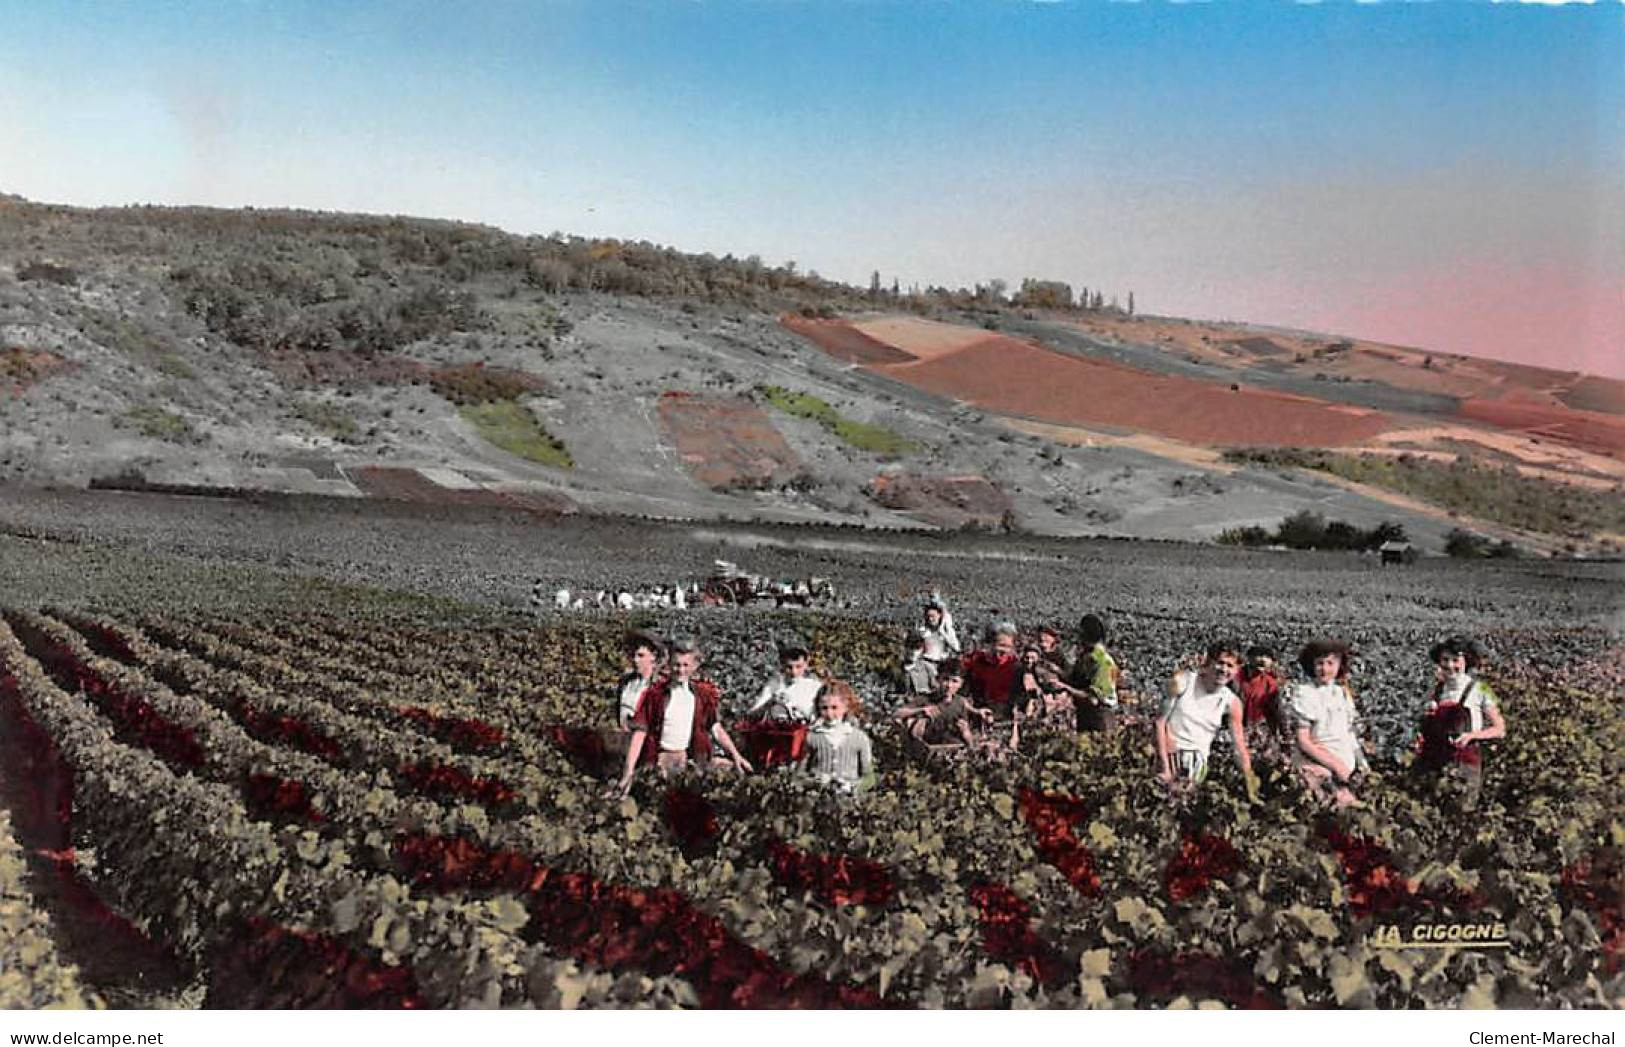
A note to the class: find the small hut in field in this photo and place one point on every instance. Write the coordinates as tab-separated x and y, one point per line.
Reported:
1397	552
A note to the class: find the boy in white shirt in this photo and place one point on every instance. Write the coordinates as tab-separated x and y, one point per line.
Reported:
792	695
646	654
933	642
1325	723
1196	706
676	719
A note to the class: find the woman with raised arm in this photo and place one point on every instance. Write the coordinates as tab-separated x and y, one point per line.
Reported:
931	643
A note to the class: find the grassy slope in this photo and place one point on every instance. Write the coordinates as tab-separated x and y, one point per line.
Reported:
510	426
872	438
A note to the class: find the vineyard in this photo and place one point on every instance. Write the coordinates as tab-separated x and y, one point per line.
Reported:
344	813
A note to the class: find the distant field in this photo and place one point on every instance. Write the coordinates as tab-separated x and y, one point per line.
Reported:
1024	380
1501	495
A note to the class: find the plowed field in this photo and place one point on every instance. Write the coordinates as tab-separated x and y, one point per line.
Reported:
843	342
1012	377
410	485
922	339
948	501
1588	430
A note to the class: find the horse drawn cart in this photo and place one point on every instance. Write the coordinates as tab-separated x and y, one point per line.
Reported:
729	586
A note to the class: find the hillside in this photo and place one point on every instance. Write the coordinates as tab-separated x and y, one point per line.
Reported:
418	360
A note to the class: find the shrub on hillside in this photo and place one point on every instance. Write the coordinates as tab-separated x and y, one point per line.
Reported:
265	306
1307	529
1465	545
46	272
478	384
157	423
1251	535
1499	495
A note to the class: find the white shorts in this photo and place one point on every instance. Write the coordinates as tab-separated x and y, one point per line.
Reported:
1191	764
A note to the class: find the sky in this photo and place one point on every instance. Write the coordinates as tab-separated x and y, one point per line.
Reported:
1444	175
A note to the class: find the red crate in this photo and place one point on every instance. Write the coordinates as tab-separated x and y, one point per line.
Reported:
766	743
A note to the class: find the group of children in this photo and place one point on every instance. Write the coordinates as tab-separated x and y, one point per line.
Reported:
667	721
979	700
1005	681
1316	720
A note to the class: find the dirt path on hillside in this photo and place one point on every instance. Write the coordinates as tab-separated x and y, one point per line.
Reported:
1079	436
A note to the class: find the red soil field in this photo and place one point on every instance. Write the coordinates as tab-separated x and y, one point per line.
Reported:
409	485
843	342
21	368
727	441
1588	430
1017	378
1023	379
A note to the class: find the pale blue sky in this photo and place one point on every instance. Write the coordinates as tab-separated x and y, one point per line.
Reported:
1392	170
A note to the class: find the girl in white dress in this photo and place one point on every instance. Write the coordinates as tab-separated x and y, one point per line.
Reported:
1325	722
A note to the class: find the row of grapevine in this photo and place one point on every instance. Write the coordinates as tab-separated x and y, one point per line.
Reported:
389	816
32	973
